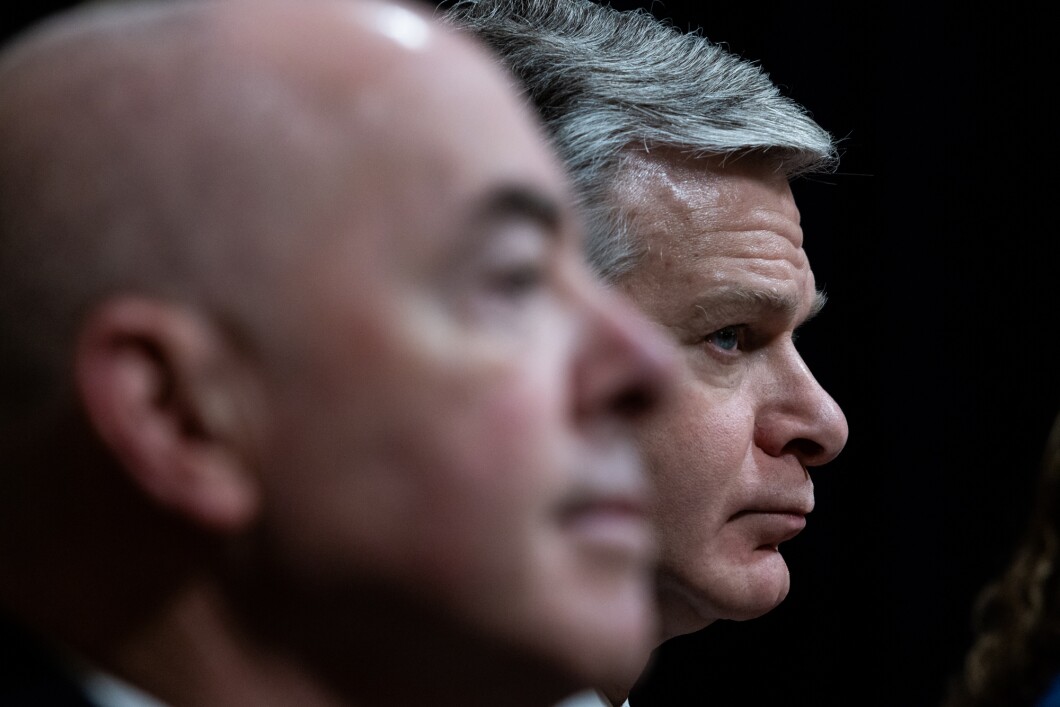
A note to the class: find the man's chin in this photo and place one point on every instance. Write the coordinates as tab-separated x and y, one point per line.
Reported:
737	591
756	588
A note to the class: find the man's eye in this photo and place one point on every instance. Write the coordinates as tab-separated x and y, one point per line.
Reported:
726	338
518	281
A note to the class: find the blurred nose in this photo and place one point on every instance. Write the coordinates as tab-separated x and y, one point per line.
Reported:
798	417
625	366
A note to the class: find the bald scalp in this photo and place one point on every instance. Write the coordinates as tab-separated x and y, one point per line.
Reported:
182	150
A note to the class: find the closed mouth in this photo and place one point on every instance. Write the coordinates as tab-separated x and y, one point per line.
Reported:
611	523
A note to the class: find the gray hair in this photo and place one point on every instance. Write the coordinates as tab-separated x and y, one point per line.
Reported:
605	82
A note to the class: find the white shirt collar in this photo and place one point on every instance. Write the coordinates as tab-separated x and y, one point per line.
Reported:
106	690
588	698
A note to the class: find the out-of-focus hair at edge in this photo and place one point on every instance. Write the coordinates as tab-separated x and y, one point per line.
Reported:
1015	657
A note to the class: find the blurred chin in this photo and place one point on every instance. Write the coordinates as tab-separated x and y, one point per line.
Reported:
611	639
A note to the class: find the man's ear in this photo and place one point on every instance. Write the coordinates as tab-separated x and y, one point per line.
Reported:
169	397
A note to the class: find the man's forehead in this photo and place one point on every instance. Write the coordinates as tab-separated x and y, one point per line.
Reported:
639	164
689	266
667	192
322	26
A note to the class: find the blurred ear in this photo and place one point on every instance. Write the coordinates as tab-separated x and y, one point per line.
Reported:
169	398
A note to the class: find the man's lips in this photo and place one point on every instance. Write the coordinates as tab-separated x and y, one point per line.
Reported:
783	511
770	527
612	523
797	504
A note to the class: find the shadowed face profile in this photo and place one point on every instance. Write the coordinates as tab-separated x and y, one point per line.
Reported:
339	373
726	274
681	154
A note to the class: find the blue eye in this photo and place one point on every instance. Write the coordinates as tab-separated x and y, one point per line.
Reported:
726	338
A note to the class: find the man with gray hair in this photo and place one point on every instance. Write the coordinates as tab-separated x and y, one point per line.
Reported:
681	154
306	394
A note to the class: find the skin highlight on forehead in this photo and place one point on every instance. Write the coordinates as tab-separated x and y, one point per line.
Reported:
668	191
401	25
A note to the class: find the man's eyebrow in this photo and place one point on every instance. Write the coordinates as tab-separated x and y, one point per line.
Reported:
506	204
820	299
519	202
736	303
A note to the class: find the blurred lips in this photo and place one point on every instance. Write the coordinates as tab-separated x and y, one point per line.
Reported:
615	522
608	508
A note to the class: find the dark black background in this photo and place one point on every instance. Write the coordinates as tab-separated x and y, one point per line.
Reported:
936	243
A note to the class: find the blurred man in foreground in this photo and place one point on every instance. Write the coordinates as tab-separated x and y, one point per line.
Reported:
306	396
681	153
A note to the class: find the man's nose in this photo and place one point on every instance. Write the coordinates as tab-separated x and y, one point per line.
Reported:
798	417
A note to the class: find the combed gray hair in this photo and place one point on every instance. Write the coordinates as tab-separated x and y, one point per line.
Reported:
605	82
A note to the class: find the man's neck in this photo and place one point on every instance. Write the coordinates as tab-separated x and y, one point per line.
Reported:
193	652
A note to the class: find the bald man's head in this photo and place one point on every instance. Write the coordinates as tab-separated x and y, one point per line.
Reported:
180	150
298	353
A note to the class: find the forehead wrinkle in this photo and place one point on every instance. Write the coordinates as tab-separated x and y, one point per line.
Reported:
774	221
708	202
710	222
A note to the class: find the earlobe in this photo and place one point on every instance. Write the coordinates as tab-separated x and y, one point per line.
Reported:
152	378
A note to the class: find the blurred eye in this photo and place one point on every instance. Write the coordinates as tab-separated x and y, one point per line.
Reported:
516	262
726	338
518	281
511	273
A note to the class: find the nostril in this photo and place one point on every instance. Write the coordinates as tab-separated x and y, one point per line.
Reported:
807	451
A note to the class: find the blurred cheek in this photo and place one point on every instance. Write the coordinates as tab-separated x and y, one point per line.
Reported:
489	469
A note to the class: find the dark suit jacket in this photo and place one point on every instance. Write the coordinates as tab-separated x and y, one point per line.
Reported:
30	676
